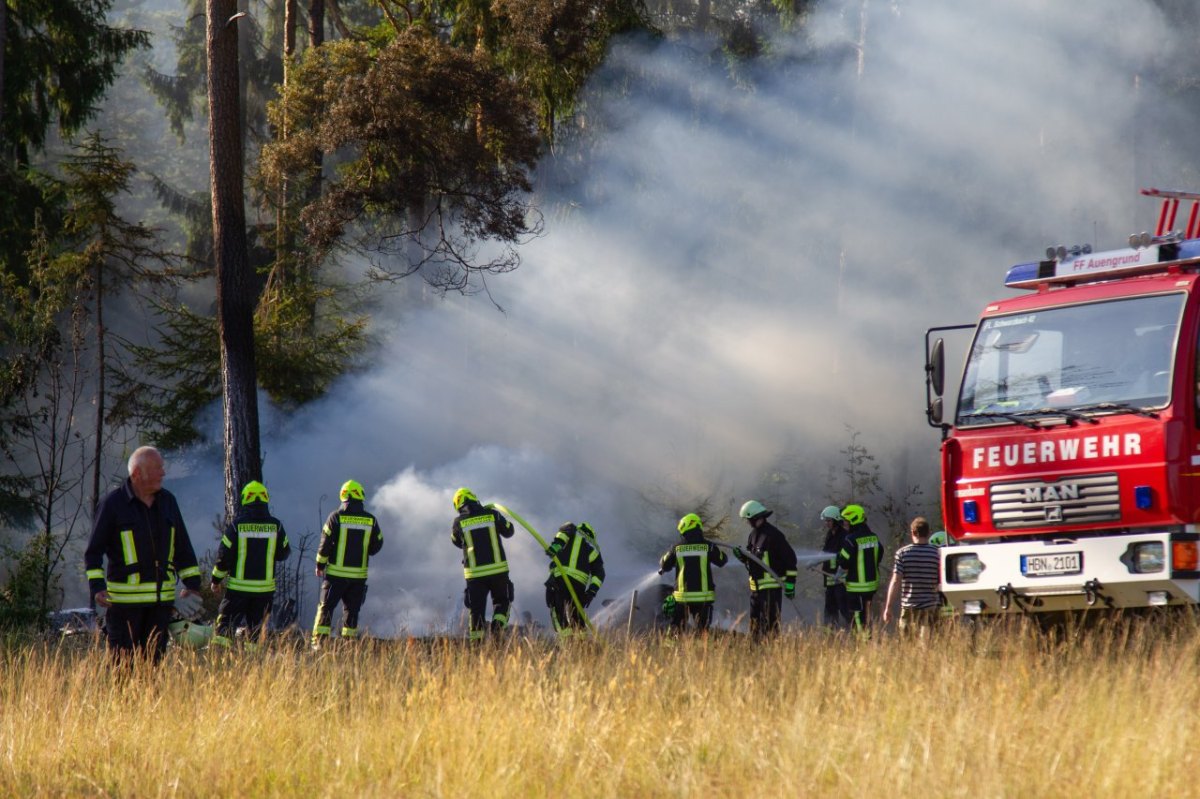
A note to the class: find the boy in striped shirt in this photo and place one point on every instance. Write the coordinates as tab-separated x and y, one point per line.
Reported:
915	579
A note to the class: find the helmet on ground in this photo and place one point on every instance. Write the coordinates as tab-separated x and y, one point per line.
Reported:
587	530
752	509
254	491
690	522
854	514
831	513
940	539
190	635
462	495
351	489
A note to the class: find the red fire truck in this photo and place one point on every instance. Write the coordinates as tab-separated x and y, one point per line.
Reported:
1071	469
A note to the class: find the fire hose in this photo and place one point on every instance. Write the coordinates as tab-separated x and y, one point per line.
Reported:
765	568
561	570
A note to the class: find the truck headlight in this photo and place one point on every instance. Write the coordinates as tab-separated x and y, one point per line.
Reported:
1146	557
964	568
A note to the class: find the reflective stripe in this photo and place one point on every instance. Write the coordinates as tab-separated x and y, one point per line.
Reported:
190	571
480	524
349	632
686	552
255	532
570	568
135	593
95	574
127	547
338	567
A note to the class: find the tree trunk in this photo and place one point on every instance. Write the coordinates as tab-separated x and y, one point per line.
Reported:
101	358
316	22
3	49
235	291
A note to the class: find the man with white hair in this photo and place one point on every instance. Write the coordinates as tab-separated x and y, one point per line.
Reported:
139	529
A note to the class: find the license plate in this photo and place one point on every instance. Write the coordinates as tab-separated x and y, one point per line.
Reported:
1052	565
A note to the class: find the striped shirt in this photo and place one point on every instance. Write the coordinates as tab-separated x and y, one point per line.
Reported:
917	565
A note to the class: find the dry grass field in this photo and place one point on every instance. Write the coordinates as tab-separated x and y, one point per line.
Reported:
1109	713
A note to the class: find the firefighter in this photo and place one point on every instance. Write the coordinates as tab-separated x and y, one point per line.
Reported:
835	589
138	528
348	540
477	532
250	547
580	561
858	563
692	559
768	545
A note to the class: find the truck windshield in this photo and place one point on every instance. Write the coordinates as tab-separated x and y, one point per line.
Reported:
1099	356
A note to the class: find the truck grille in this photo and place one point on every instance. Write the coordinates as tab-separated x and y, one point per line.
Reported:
1070	500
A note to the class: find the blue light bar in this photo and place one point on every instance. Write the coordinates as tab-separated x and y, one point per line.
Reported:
1108	265
971	511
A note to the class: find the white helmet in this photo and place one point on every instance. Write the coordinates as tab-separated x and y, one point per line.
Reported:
751	509
832	513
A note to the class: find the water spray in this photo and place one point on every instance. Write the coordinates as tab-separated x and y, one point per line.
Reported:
562	571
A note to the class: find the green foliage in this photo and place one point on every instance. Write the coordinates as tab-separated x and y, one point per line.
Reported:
32	582
59	59
434	147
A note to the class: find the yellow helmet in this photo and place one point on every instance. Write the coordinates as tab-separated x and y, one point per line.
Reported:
690	522
854	514
351	489
462	495
254	491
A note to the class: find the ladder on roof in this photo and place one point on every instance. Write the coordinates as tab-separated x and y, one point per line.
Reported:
1170	207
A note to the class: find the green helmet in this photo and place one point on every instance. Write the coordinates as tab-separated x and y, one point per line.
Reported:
690	522
831	513
940	539
254	492
751	509
854	514
190	635
351	489
462	495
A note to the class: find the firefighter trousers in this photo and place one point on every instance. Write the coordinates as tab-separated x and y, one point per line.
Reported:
350	593
563	613
137	629
475	598
240	607
766	607
700	611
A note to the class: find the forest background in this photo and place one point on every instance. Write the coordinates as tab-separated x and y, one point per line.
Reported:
732	222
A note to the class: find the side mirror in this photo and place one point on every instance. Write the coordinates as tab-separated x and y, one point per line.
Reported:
935	411
936	368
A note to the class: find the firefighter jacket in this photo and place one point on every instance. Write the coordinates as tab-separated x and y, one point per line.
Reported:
580	559
859	558
832	545
477	532
349	538
768	544
693	559
147	549
251	545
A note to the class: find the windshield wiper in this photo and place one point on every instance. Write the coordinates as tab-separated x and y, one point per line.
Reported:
1122	407
1071	414
1012	417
